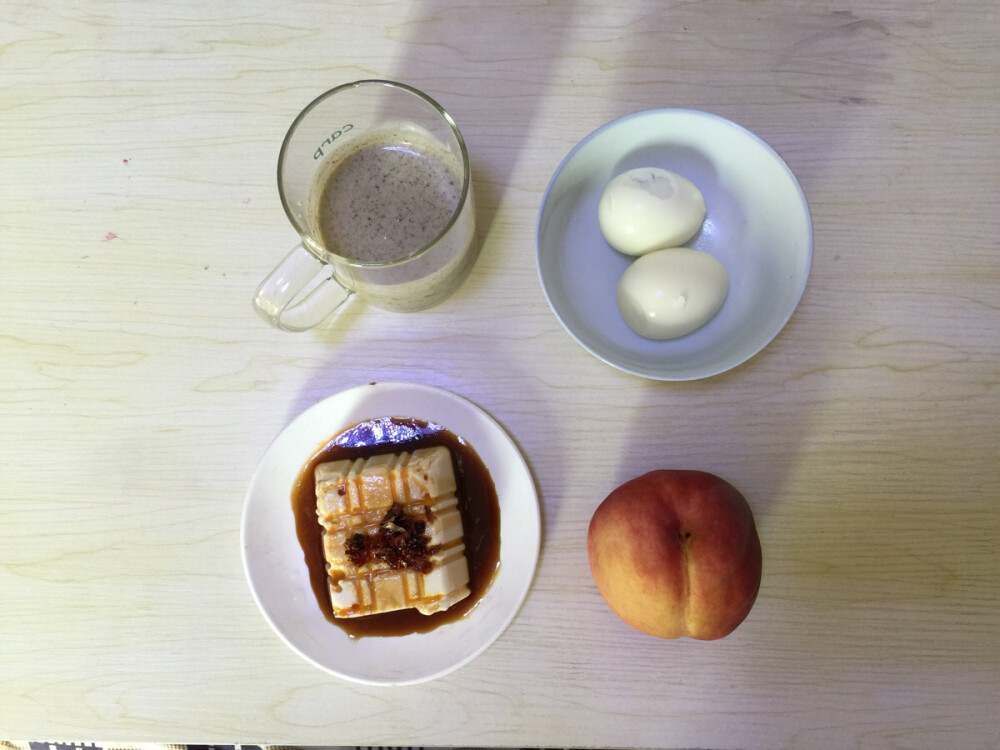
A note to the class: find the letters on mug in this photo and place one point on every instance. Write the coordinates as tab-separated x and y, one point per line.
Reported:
329	141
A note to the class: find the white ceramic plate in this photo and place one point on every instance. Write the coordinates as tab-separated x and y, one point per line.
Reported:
757	225
277	573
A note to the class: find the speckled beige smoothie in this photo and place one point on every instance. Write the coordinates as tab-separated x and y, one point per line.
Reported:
384	199
387	198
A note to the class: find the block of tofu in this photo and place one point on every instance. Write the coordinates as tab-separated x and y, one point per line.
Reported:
392	533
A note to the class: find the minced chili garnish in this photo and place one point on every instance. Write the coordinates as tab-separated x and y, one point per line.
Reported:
401	541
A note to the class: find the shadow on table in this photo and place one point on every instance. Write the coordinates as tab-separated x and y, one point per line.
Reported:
460	54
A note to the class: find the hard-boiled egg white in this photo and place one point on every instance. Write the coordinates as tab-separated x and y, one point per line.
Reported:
649	208
668	293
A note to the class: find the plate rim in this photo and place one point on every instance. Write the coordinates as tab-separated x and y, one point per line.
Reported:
707	372
531	509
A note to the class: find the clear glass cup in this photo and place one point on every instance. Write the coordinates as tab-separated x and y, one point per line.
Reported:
374	176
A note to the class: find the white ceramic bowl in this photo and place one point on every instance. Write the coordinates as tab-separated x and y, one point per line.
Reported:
757	225
277	573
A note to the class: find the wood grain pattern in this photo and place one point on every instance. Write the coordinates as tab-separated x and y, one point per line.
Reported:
138	211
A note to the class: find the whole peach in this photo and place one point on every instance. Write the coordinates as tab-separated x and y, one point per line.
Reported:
676	553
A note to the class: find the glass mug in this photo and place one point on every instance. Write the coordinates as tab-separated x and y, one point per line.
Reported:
374	176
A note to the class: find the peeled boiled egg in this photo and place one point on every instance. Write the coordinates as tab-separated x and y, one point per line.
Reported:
668	293
649	208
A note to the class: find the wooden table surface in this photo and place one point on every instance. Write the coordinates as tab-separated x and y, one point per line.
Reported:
139	210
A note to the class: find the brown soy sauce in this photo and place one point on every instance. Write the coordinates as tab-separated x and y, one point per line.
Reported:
477	502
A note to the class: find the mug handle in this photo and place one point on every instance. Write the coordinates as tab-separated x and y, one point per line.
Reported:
282	299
